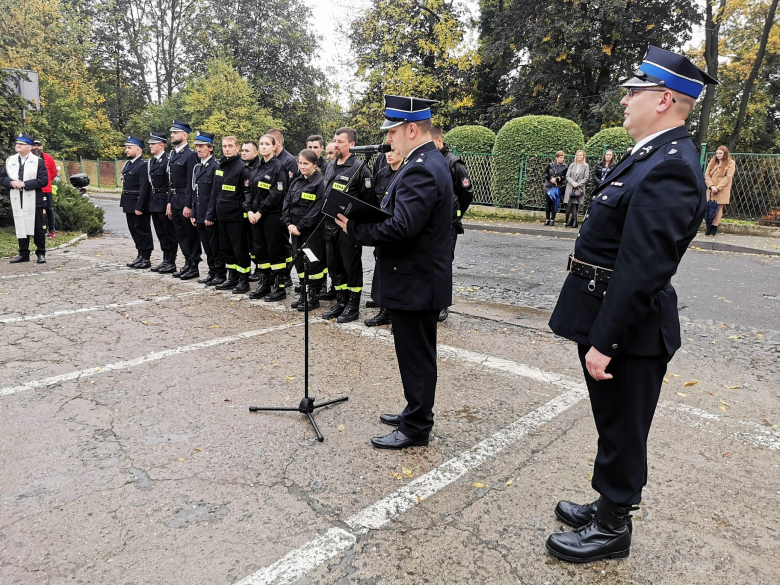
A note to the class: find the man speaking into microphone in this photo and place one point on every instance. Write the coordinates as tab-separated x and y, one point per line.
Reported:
413	274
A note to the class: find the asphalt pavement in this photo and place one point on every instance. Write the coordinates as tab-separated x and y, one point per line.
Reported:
129	456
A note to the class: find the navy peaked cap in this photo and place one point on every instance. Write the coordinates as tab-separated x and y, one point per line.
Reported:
134	141
400	110
661	68
179	126
156	138
204	138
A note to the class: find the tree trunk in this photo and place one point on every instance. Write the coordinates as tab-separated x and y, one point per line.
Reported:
711	32
743	104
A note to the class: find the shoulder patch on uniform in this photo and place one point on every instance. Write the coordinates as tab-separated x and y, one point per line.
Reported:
290	173
279	186
465	182
419	160
246	183
672	151
368	183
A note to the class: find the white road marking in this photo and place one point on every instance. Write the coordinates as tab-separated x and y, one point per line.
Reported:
54	380
336	540
112	267
97	308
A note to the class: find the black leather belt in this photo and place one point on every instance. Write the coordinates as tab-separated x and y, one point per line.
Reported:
158	191
178	189
126	192
594	273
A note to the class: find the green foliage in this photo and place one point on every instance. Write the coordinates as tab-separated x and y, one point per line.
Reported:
615	138
471	139
10	116
76	213
532	135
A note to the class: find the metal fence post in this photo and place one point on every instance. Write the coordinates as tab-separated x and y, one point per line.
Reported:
98	172
520	186
116	174
703	154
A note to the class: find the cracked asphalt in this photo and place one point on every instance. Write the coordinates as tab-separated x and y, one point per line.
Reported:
128	454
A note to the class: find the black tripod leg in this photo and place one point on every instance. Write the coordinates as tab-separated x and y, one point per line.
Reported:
320	438
283	409
336	401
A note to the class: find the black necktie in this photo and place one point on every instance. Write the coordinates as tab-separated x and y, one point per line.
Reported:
21	169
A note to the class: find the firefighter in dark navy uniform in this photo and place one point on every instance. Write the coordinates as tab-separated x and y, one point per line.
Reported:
291	165
181	161
618	302
208	231
229	207
464	193
316	143
413	275
136	208
154	191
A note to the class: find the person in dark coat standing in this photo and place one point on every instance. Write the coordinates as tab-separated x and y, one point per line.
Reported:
136	208
604	167
25	175
618	303
208	231
154	195
180	164
413	275
554	176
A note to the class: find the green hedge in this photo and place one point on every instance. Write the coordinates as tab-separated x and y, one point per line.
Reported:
471	139
76	213
533	135
615	138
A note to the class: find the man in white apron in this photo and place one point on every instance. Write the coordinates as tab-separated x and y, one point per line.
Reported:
25	175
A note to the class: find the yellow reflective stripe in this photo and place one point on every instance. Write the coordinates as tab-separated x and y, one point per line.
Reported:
278	266
252	256
231	266
309	196
302	275
340	287
458	212
228	188
325	271
264	266
339	186
355	288
288	260
318	275
244	270
263	185
218	173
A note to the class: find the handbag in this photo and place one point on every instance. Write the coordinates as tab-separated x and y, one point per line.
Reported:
577	192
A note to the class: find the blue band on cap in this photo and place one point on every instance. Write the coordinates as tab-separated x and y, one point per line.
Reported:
672	80
25	140
134	142
202	138
408	116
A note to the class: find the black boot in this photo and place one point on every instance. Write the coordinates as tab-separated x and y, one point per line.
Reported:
255	277
279	290
351	310
20	258
134	262
314	298
607	536
41	258
328	294
161	264
338	308
575	515
217	279
263	287
714	231
299	301
443	314
232	280
184	269
708	231
144	263
169	261
381	318
193	272
209	277
243	284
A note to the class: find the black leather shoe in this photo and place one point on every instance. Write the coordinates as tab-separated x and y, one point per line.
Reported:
371	304
393	420
255	276
595	541
443	314
299	301
575	515
230	282
160	265
351	309
193	272
397	440
208	278
243	285
20	258
168	268
381	318
134	262
263	286
216	280
329	294
314	303
338	308
41	259
279	291
184	270
143	265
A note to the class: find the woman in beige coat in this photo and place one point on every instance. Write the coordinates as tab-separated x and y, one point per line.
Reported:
576	177
719	174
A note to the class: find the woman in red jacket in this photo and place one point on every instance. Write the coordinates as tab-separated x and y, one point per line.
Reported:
51	169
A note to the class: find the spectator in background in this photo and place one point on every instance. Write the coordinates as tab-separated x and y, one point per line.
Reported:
603	167
576	177
330	151
316	144
719	174
554	176
51	170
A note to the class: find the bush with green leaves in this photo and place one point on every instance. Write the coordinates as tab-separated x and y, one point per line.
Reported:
615	138
530	135
76	213
471	139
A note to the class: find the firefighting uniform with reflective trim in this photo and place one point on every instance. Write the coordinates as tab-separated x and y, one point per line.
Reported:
291	164
268	182
302	207
345	262
464	192
228	207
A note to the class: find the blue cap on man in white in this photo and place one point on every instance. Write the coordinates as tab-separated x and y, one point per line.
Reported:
400	110
134	141
24	139
661	68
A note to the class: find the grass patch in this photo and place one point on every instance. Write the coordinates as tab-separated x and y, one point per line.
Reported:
739	221
9	245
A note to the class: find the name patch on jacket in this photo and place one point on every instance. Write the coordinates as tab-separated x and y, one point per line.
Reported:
219	173
228	188
308	196
262	185
339	186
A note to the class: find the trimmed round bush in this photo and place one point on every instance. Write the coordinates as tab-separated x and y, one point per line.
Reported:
471	139
615	138
76	213
531	135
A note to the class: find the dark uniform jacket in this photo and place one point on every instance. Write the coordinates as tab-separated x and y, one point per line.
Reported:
180	165
202	184
413	247
154	191
133	178
228	193
38	183
289	163
383	178
267	187
639	224
337	176
322	162
303	202
461	184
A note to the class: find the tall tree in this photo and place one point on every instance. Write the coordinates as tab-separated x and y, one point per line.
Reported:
713	18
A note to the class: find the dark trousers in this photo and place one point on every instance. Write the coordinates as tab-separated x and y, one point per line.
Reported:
455	233
233	244
163	227
187	236
414	334
209	239
268	241
549	208
39	236
345	261
140	227
623	409
316	244
250	244
51	220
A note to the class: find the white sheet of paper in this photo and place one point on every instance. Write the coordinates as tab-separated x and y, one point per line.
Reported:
310	255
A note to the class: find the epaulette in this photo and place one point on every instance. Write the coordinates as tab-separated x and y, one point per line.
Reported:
672	151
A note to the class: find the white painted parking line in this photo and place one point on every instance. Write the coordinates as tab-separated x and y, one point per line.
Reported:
64	312
110	267
308	557
54	380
